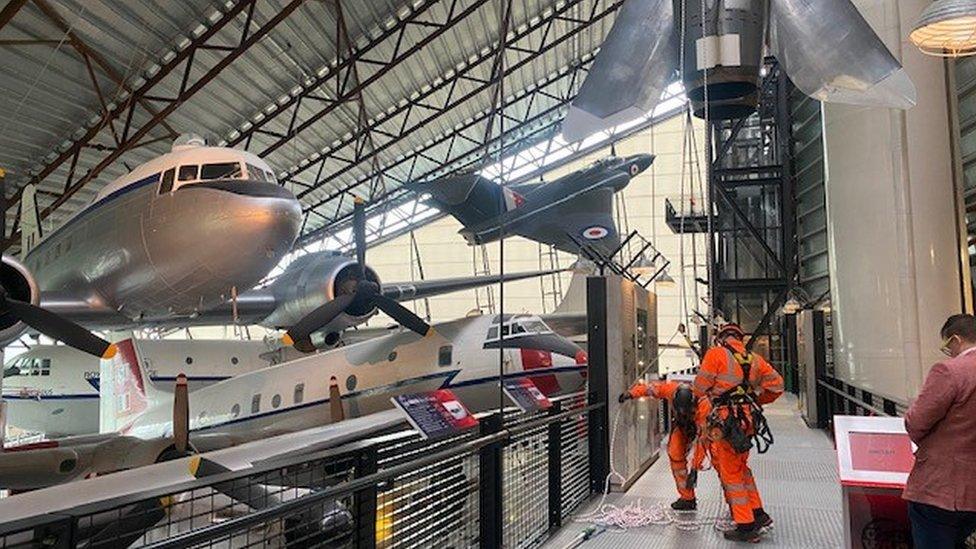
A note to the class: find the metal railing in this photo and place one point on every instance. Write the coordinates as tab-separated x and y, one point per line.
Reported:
842	398
392	490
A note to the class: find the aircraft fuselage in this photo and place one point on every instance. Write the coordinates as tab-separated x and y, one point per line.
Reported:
173	237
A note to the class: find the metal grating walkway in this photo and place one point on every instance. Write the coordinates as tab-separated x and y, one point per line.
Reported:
797	479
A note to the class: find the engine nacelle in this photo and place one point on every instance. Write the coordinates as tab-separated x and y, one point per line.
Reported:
312	280
19	284
724	52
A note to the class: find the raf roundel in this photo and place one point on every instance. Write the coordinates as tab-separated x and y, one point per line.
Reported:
595	232
634	170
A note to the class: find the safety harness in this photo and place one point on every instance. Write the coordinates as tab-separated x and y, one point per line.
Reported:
742	411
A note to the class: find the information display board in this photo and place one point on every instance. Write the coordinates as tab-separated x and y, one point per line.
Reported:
435	414
524	393
874	456
873	451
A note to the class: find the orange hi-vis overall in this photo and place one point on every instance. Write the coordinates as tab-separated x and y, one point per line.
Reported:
721	371
679	444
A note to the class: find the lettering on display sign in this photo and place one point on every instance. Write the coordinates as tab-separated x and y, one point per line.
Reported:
887	452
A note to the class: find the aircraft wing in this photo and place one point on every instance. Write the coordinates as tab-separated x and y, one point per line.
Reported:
832	54
251	306
406	291
53	462
586	219
635	64
134	459
586	215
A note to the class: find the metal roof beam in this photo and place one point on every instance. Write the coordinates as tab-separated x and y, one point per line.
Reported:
526	132
127	107
453	98
90	55
334	72
346	94
9	11
548	43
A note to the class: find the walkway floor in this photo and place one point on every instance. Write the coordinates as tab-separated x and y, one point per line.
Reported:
797	479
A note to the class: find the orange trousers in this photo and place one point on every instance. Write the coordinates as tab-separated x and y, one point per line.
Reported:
678	447
737	481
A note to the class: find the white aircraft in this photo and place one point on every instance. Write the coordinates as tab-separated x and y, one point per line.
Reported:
150	426
53	389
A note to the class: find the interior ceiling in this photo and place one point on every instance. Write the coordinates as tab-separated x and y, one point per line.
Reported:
338	96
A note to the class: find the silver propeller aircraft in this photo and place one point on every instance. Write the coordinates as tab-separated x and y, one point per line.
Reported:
149	426
829	51
174	241
575	209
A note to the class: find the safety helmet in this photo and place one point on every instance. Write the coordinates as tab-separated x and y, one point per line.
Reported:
730	329
684	401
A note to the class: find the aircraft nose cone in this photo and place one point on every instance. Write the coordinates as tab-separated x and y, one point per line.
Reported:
638	163
258	220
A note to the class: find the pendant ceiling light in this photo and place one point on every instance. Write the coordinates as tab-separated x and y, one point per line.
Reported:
947	28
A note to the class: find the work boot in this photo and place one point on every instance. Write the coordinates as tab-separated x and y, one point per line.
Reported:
682	504
744	532
763	520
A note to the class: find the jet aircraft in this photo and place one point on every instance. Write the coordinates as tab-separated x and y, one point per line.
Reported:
575	209
149	425
825	46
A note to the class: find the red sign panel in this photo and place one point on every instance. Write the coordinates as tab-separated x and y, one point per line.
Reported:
886	452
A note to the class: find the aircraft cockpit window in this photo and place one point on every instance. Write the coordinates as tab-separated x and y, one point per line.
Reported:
534	326
166	185
493	332
223	170
188	173
45	366
255	173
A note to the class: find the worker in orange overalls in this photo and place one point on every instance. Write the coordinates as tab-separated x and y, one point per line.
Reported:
688	414
738	383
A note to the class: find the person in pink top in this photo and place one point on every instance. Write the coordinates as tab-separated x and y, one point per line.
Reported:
941	489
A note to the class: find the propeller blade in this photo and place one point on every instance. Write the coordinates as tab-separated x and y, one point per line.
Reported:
61	329
402	315
300	333
336	412
181	415
359	232
133	523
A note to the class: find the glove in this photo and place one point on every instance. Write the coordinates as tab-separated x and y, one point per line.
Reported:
624	397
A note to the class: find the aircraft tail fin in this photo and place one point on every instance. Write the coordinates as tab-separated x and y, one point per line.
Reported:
125	390
470	198
30	220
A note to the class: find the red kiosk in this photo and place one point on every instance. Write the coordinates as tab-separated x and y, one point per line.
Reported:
874	456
